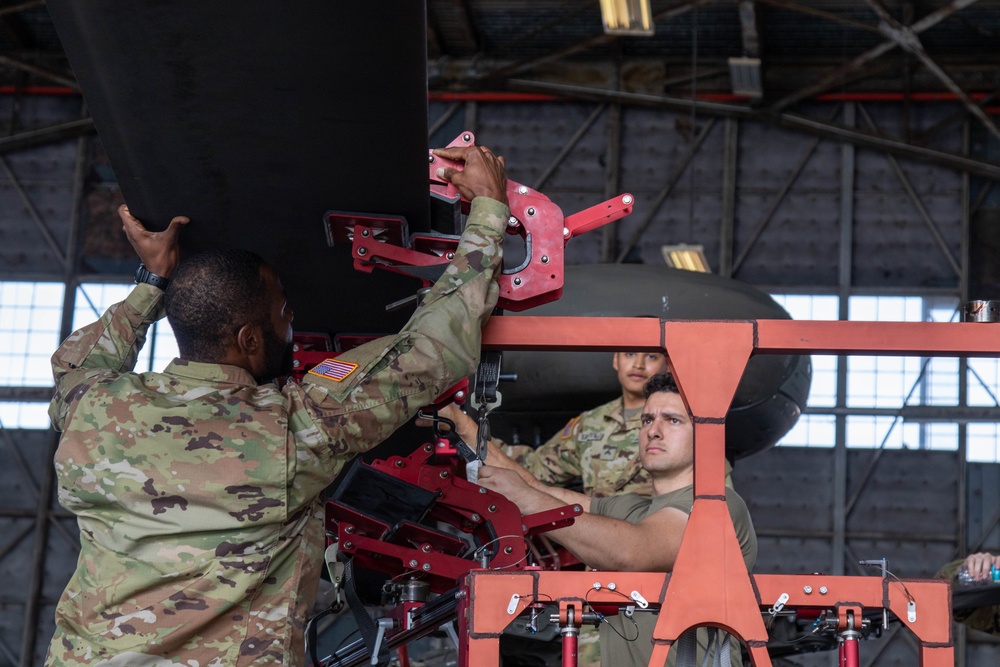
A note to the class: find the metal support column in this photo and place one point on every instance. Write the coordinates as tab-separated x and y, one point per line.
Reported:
729	163
612	169
847	159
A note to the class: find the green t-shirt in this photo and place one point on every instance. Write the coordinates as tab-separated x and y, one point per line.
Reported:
618	647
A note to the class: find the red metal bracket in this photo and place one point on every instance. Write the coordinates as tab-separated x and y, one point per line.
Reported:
383	242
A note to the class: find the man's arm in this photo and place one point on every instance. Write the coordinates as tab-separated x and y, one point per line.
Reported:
600	542
112	343
397	375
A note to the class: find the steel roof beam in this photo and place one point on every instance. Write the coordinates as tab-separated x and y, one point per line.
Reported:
786	120
839	75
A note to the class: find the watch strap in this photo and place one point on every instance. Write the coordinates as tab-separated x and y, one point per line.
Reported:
144	275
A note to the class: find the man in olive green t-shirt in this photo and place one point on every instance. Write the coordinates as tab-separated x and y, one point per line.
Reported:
628	532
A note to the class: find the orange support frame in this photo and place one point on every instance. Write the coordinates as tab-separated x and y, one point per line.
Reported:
710	584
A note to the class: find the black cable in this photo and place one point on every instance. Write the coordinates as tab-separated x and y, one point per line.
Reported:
602	619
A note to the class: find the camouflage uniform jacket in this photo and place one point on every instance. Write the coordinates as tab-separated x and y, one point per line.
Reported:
600	446
197	490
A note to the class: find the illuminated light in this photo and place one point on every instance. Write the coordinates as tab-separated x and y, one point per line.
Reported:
627	17
686	257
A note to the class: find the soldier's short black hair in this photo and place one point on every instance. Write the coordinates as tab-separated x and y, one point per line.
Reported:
659	383
210	296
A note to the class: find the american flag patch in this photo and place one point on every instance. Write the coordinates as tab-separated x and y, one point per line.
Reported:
570	428
332	369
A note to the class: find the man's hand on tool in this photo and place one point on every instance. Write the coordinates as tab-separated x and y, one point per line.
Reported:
484	175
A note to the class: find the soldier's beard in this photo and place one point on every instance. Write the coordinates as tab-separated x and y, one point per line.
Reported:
277	358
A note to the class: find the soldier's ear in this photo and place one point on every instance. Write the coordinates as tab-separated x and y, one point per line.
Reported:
250	339
614	361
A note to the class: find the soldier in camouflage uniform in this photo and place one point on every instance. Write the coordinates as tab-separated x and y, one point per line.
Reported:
984	619
197	489
600	446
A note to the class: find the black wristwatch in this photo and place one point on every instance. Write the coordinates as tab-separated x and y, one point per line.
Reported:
144	275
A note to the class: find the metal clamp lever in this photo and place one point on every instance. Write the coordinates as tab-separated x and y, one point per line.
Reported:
383	625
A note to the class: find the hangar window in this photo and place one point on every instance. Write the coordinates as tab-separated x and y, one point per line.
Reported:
984	442
892	402
29	332
30	317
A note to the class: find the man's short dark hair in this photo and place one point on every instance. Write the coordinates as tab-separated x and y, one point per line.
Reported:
210	296
661	382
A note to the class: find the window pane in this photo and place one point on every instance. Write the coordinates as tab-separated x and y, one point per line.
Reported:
812	431
983	442
983	381
894	433
29	332
24	415
823	390
891	382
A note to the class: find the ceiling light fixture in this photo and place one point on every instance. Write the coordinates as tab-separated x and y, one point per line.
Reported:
627	17
687	257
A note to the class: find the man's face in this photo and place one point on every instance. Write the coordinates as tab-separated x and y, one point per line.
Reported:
666	438
277	331
634	368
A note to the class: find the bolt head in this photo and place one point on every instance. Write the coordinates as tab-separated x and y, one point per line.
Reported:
459	395
482	489
349	530
523	190
413	563
466	137
476	518
823	590
296	363
512	221
531	211
807	590
348	545
450	256
545	259
427	567
365	233
443	474
508	550
627	199
492	508
612	586
426	548
566	232
362	251
517	281
430	159
399	463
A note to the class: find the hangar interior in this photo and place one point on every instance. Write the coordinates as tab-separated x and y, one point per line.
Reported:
839	155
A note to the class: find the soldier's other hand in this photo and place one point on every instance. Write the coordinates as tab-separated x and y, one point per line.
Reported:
503	481
159	251
978	565
484	175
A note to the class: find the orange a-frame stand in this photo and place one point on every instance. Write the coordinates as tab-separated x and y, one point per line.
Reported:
710	584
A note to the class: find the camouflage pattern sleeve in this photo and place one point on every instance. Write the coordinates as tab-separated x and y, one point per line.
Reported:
557	462
110	345
389	379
